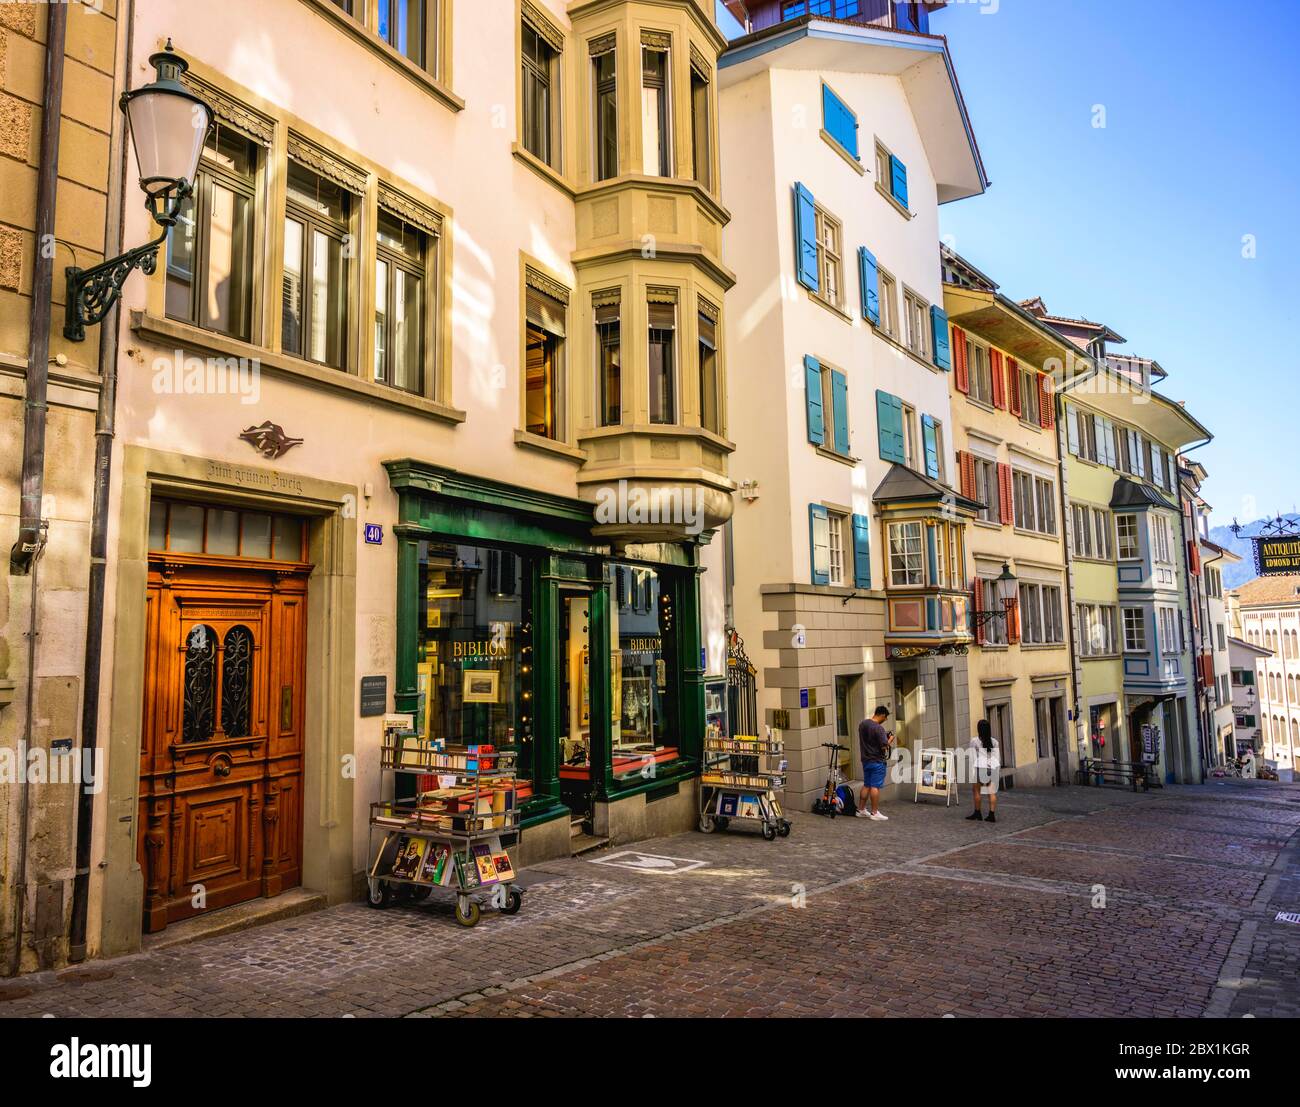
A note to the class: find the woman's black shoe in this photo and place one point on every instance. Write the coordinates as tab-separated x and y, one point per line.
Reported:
975	816
990	818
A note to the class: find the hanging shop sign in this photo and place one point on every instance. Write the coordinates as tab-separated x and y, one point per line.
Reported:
1277	555
936	775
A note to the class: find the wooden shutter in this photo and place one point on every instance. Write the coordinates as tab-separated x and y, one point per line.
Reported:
966	468
869	279
998	381
1013	621
889	427
1194	556
840	410
840	123
960	370
1046	412
939	332
1072	429
898	180
1006	508
977	607
861	552
805	238
812	372
931	444
1013	386
816	514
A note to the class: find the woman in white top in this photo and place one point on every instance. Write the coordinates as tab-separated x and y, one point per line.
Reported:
986	765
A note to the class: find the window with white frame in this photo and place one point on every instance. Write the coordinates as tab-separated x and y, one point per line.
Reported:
1096	629
1126	537
1029	397
1135	630
835	540
1034	502
916	317
906	567
1040	614
977	368
830	264
1161	540
994	630
912	449
986	489
1168	621
888	303
1090	535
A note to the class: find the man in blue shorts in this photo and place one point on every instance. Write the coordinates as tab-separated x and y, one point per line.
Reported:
875	743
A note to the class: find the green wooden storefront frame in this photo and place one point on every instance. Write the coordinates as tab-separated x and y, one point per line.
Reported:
555	533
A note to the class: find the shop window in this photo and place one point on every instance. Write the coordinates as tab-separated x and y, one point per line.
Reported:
543	360
474	658
643	674
314	292
399	303
210	250
609	346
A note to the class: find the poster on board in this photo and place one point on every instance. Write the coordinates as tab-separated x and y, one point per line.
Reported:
936	775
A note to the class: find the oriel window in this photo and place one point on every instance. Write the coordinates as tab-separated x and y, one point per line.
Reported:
210	250
701	144
399	303
314	293
540	65
604	74
710	414
543	355
609	354
654	112
663	368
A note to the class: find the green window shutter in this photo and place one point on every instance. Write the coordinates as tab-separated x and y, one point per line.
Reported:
819	549
930	440
889	427
939	329
840	410
805	238
861	552
869	279
812	372
898	180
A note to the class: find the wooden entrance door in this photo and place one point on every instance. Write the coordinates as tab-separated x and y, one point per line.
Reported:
222	746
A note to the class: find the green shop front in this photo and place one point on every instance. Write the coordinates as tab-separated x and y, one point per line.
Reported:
519	628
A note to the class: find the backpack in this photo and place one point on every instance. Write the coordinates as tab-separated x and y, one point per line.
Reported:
845	793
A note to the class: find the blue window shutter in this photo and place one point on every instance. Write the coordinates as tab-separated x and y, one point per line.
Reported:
840	410
932	556
812	372
939	328
932	613
805	238
931	446
889	427
817	512
840	123
869	278
861	552
898	180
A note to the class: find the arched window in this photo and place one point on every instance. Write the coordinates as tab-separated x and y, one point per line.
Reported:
200	685
236	681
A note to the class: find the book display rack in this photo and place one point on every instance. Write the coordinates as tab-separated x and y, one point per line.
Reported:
740	779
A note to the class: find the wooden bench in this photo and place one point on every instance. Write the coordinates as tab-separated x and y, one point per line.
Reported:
1099	771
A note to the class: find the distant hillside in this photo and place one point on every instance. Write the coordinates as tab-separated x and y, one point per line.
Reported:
1233	575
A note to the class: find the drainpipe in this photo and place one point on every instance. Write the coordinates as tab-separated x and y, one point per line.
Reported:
105	430
27	549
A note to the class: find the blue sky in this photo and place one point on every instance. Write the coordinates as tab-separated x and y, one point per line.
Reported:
1140	223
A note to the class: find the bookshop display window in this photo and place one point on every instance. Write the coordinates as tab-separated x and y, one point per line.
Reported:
642	672
474	672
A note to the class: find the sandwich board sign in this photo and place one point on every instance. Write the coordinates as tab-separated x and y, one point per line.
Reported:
936	775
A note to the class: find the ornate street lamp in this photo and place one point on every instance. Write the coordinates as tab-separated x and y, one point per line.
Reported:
168	125
1006	589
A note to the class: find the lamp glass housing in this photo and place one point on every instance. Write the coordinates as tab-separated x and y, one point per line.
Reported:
167	130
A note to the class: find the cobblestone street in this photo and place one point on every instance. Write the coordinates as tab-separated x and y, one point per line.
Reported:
926	914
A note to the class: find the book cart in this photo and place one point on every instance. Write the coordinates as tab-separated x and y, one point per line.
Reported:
450	836
740	778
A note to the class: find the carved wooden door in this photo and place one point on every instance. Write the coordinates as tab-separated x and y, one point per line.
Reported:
222	745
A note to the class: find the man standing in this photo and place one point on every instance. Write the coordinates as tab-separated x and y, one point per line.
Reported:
875	743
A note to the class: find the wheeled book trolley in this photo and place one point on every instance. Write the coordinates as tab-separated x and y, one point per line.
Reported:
740	779
450	839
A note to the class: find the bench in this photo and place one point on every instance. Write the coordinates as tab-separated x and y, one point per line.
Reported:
1099	771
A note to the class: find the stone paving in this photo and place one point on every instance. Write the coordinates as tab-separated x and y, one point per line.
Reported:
926	914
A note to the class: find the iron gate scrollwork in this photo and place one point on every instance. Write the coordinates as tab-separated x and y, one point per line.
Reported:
742	686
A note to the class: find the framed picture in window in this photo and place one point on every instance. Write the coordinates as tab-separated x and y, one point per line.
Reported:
480	686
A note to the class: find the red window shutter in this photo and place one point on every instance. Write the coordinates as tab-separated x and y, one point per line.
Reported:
999	384
1046	414
975	605
1006	509
1013	385
1194	557
960	370
1013	621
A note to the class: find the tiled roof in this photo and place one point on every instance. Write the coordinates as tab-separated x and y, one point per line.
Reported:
1267	591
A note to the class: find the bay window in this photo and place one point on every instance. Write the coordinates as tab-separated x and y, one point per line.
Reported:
906	563
314	292
655	148
609	355
604	76
662	359
710	392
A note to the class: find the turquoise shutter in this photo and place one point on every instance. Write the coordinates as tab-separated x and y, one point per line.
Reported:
805	238
889	427
869	279
812	372
815	513
840	410
840	123
932	613
898	180
861	552
939	331
931	446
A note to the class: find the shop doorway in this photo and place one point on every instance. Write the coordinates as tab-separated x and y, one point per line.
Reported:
907	709
574	682
849	711
1049	726
947	710
222	741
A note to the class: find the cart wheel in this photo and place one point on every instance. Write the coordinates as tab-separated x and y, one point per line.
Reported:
379	894
783	828
707	822
467	911
769	832
514	901
721	822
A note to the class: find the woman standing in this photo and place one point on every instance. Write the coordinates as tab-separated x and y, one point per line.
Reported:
986	766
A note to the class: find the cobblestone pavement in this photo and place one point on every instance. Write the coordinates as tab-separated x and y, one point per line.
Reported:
1078	901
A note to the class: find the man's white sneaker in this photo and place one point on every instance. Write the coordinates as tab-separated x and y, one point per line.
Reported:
879	817
863	814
